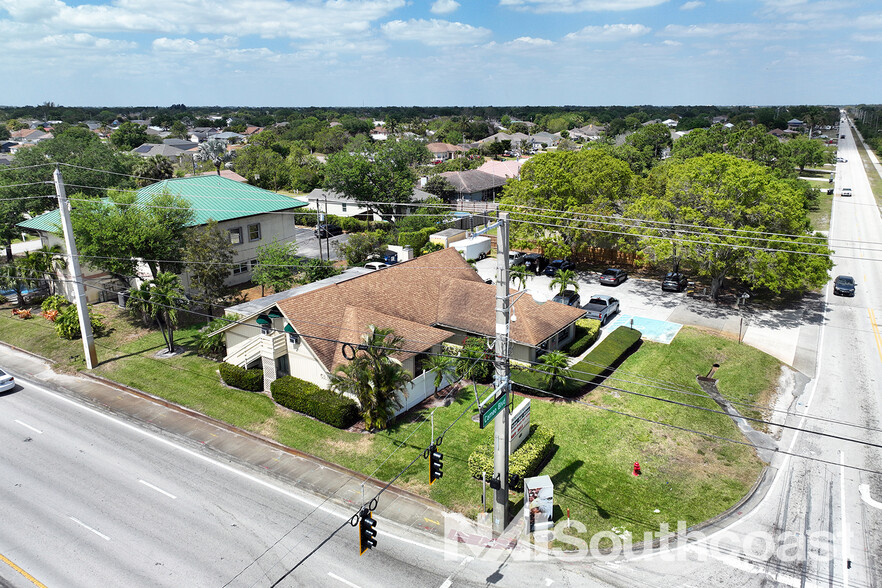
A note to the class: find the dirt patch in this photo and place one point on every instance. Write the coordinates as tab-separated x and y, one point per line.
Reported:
364	446
269	427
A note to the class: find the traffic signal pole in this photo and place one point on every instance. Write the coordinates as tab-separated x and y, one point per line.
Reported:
502	379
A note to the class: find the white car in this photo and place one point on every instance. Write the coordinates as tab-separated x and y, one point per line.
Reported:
846	191
7	382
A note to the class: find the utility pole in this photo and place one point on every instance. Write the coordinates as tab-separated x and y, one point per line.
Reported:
328	238
503	381
76	274
318	226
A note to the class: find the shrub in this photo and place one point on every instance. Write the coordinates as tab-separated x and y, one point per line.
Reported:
470	366
67	323
586	335
607	354
526	461
213	345
238	377
54	302
431	248
416	239
307	398
22	313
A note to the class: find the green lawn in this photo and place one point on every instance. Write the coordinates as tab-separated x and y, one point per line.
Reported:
872	174
685	476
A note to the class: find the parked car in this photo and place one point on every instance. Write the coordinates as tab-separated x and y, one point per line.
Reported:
841	160
569	297
844	286
516	258
674	282
375	265
559	265
613	277
535	262
846	191
601	307
7	382
327	231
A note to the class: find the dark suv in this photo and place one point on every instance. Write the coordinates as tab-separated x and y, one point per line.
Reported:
674	282
326	231
559	265
535	262
569	297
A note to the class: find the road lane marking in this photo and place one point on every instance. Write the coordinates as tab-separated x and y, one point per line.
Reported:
29	427
876	333
160	490
846	563
84	525
864	489
344	581
428	520
33	580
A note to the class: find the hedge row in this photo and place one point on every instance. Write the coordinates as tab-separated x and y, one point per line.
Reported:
349	224
307	398
416	239
608	353
525	462
237	377
587	331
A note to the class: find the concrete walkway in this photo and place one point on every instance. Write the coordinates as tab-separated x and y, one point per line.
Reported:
301	471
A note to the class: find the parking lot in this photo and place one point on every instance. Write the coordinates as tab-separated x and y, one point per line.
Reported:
789	334
308	244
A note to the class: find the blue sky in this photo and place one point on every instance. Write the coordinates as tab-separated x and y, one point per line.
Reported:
440	52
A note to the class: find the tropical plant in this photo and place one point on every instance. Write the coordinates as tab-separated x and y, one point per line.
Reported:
208	341
519	274
67	323
374	378
554	364
443	366
10	280
159	299
153	169
563	280
215	151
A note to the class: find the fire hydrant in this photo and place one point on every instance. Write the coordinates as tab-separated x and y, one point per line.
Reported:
637	471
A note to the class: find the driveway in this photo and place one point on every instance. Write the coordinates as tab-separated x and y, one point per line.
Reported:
789	334
308	244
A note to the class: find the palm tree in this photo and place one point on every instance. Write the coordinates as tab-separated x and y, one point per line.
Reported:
9	279
215	151
518	274
153	169
563	280
158	299
443	366
374	378
48	260
555	364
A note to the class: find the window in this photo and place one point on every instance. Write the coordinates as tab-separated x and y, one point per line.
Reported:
236	236
253	263
344	206
254	232
283	368
240	268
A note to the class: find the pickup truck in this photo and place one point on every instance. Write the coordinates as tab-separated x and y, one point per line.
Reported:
601	307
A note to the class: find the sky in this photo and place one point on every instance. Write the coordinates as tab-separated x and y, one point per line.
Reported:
440	52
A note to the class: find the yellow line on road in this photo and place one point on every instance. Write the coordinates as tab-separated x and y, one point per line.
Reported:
8	562
876	332
428	520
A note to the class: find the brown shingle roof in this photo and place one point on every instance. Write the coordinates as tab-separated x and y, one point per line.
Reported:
439	289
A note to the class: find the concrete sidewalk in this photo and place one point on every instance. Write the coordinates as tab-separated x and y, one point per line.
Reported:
304	472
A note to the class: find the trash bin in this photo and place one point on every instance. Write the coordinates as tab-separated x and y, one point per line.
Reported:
122	298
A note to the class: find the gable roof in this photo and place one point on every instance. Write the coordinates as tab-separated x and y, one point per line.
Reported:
471	181
212	197
510	168
417	299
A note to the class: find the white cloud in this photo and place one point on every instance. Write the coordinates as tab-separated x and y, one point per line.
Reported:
266	18
444	6
671	43
692	5
81	41
434	32
720	30
529	42
608	33
570	6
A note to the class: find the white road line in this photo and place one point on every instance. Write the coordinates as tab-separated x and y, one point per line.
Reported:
84	525
160	490
29	427
845	556
344	581
864	489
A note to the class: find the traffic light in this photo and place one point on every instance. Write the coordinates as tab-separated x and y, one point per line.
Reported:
366	531
435	464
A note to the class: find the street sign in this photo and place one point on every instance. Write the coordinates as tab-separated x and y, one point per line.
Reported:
489	412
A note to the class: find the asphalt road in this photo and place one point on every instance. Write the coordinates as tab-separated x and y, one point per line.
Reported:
308	244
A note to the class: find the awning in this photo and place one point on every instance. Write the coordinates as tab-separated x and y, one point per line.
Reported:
289	329
264	320
275	313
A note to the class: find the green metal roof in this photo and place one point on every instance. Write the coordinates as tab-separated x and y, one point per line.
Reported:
211	196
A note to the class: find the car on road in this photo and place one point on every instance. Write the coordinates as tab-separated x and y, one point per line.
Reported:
846	191
674	282
535	262
843	286
613	277
327	231
841	160
601	307
375	265
7	382
558	265
569	297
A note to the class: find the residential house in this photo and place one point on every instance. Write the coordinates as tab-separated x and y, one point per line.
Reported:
339	204
430	301
29	136
201	134
475	185
545	138
510	168
379	134
151	149
588	133
518	140
444	151
795	124
250	215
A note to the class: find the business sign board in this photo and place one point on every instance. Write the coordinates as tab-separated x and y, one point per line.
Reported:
538	503
519	425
